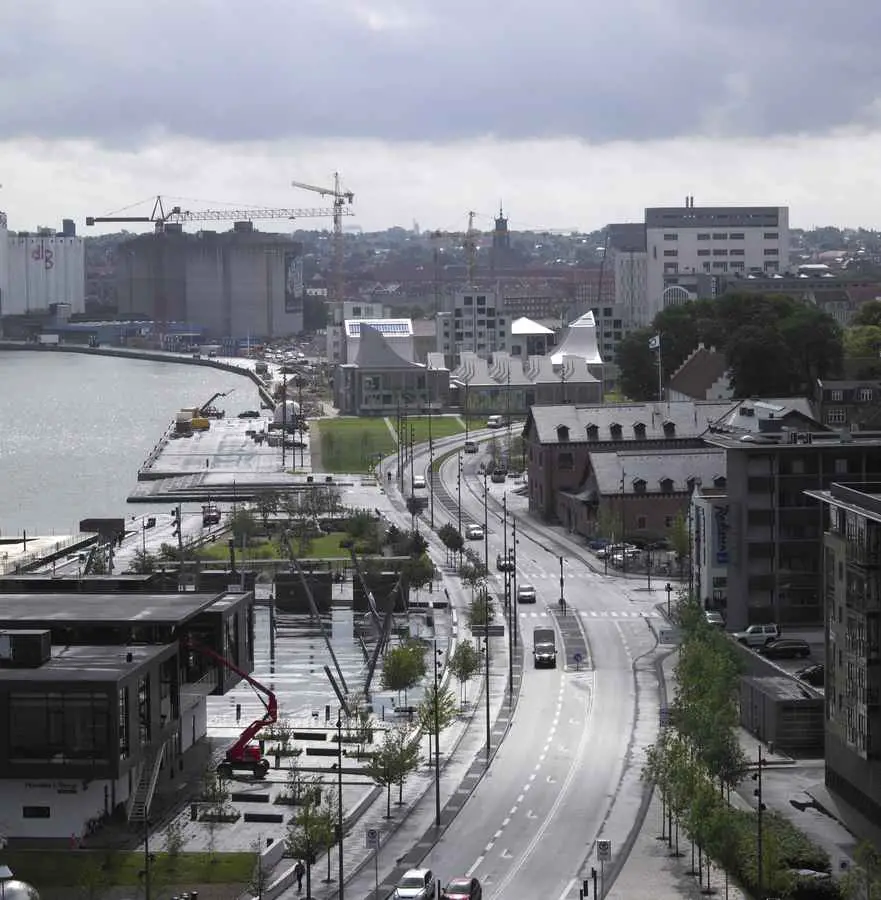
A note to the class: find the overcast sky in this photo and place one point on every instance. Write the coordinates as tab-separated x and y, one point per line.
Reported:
572	113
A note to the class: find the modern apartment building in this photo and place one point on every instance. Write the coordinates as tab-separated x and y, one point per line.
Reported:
338	315
775	536
852	595
685	242
477	324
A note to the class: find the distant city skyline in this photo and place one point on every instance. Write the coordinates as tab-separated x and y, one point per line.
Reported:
573	114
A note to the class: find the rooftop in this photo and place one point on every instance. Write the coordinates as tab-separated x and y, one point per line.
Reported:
386	327
863	499
699	373
505	369
713	216
580	341
103	609
86	663
660	472
527	326
684	419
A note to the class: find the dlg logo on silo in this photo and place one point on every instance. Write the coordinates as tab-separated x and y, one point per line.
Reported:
45	254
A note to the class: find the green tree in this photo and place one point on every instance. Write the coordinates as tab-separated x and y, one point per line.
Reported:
93	879
392	762
473	573
175	840
243	526
814	340
438	705
638	365
260	875
267	505
608	522
143	563
417	573
759	362
680	540
862	342
869	314
482	611
452	540
310	830
402	667
464	664
863	881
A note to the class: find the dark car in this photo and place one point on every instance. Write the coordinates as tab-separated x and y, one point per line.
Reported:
786	648
462	889
815	675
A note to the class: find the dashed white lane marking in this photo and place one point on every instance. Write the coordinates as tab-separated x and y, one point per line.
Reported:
568	888
475	867
488	847
519	800
532	776
506	821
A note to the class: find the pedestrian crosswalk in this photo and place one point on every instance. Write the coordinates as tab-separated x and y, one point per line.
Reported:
596	614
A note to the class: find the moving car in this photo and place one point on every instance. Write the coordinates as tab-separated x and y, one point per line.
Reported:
757	635
419	483
714	618
544	648
417	884
786	648
474	533
505	563
526	593
471	446
462	889
494	422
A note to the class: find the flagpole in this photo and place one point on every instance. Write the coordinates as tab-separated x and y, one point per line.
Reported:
660	375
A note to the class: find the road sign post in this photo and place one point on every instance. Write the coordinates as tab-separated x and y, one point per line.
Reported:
604	855
669	636
577	659
373	839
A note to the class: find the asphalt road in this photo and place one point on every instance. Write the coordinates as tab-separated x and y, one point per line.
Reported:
532	820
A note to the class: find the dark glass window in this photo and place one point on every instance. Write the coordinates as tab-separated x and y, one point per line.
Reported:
124	732
144	713
59	728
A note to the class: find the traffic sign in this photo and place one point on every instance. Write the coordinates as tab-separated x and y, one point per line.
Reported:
664	716
374	838
578	659
604	851
669	636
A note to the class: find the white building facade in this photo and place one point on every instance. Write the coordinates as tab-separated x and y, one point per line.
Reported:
709	526
38	271
684	244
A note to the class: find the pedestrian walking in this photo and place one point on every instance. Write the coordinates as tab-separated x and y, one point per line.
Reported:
299	872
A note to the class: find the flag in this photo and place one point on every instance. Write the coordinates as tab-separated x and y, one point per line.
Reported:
655	343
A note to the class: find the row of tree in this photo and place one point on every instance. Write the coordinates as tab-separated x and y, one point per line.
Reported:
775	346
697	760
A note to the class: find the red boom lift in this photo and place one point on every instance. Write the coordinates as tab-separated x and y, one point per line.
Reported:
244	755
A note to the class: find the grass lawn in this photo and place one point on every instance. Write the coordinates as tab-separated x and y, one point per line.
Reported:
325	547
351	445
80	868
441	427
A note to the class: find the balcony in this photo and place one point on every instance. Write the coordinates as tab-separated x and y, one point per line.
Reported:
865	556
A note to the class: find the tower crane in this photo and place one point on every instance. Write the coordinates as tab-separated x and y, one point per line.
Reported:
469	244
160	217
341	202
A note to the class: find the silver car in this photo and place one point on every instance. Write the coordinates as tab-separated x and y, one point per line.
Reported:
417	884
526	593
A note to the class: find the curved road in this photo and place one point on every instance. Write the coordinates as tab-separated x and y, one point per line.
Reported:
532	820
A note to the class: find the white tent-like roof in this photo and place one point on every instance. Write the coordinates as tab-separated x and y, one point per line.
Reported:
580	341
528	327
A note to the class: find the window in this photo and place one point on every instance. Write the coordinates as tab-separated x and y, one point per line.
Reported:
706	267
865	394
36	812
720	266
720	237
671	253
669	429
835	417
737	252
639	431
593	432
565	461
736	236
772	236
738	266
720	253
639	485
836	396
616	431
666	485
617	323
771	251
59	728
607	312
640	523
563	434
703	252
124	739
145	719
671	237
703	236
671	267
668	521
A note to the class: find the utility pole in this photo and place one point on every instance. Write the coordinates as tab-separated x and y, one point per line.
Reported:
485	524
508	604
339	799
514	598
302	419
486	690
562	585
412	491
760	859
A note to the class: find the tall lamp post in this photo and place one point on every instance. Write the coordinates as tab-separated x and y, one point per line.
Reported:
339	799
508	604
301	418
459	489
514	597
486	691
485	525
284	414
437	803
760	808
562	585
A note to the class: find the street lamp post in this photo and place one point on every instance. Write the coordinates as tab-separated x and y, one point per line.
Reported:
301	419
485	524
508	605
284	414
437	802
562	593
486	690
459	489
669	589
339	799
514	597
760	837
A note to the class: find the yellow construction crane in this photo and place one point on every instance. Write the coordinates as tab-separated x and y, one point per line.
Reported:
341	201
469	244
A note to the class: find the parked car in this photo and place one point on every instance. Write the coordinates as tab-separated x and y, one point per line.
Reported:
462	889
597	544
417	884
714	618
526	593
474	533
814	675
786	648
611	549
757	635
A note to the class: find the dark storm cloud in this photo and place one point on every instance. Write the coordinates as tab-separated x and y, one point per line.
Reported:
435	70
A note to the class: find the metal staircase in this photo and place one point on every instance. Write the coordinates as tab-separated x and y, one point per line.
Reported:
142	796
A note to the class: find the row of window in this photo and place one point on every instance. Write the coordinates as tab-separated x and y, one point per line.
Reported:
722	236
864	394
769	251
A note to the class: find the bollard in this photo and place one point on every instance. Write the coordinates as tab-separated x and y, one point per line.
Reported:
194	812
238	713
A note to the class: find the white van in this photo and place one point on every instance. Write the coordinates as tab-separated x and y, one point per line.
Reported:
494	422
419	483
